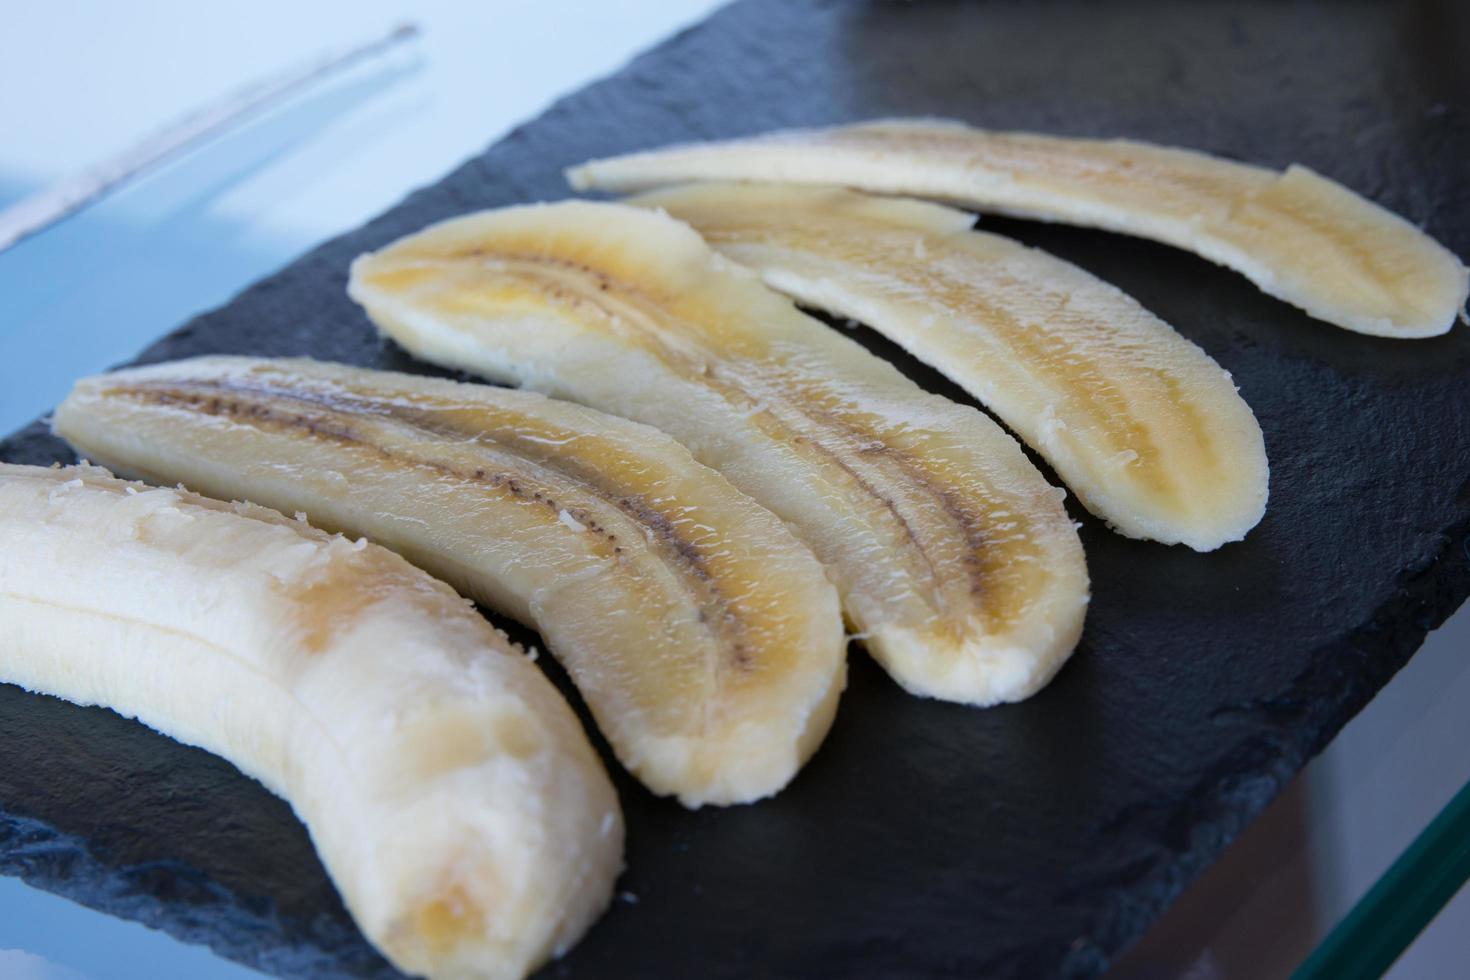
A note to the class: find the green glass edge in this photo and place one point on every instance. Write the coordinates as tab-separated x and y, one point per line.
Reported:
1400	904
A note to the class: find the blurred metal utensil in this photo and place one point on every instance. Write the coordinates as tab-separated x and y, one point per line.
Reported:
48	206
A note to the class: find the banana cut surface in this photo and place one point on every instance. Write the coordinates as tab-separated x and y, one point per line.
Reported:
953	556
448	788
1297	235
705	638
1143	426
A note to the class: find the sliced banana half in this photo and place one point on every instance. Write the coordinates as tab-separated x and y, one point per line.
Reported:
953	556
448	788
1297	235
1145	428
705	638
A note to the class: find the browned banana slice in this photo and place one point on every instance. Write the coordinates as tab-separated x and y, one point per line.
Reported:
1144	427
703	635
1297	235
951	552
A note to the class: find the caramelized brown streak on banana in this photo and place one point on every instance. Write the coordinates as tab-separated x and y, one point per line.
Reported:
951	552
511	458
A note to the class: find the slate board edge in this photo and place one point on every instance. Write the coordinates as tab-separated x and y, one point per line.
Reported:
225	923
1425	599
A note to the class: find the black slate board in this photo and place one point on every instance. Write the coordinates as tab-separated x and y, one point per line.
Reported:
927	839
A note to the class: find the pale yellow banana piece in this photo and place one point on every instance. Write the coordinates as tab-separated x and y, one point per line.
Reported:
703	635
1297	235
1145	428
448	788
952	554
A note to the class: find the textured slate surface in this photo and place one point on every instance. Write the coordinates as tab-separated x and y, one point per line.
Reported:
926	839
